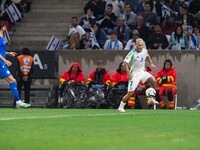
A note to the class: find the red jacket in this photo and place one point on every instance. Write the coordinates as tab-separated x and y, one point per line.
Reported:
73	76
117	77
170	74
105	78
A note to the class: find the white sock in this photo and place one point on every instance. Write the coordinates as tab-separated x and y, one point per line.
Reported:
122	104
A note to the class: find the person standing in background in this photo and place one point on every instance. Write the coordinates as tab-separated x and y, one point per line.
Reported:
24	73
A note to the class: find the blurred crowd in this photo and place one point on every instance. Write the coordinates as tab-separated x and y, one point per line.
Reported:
23	6
116	24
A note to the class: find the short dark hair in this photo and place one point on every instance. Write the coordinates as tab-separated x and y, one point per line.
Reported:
110	5
25	51
74	17
1	24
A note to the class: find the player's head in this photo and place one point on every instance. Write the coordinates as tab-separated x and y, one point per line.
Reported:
139	44
167	64
25	51
2	26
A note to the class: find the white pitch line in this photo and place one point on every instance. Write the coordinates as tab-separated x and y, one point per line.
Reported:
66	116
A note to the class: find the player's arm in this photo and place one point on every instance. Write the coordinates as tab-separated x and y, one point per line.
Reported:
150	61
11	54
127	70
7	62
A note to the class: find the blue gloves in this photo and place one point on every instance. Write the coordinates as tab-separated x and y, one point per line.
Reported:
97	86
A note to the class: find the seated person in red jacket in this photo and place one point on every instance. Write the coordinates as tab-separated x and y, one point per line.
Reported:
119	80
74	74
140	90
166	80
99	77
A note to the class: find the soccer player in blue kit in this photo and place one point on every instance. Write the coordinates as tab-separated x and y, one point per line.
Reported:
4	71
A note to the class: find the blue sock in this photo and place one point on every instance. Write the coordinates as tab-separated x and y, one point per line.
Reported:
13	88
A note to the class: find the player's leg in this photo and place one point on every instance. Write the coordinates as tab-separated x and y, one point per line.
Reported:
132	84
13	87
149	79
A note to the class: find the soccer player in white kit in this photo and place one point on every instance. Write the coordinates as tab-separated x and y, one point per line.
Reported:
135	68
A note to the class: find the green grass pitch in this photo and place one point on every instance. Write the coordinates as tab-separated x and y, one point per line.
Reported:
99	129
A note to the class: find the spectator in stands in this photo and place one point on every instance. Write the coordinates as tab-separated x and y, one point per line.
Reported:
122	30
167	16
90	41
26	5
97	5
194	6
131	43
166	80
118	6
75	42
174	9
150	17
143	30
194	39
157	40
24	73
4	71
108	21
178	39
73	75
99	77
78	28
185	19
100	34
129	16
113	43
88	20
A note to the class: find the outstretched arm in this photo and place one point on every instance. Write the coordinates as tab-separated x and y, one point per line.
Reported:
11	54
151	62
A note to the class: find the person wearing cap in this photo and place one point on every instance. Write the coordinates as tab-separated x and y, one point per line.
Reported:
75	42
166	80
113	43
4	71
99	76
24	73
131	43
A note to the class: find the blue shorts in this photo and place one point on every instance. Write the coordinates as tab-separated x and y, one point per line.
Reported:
4	71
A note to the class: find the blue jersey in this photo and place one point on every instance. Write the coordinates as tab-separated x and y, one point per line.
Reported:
4	71
2	48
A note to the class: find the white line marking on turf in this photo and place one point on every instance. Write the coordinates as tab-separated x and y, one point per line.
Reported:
66	116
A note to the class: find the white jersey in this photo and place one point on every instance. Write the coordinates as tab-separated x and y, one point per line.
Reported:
136	60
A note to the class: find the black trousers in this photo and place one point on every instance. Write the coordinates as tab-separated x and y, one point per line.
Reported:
27	86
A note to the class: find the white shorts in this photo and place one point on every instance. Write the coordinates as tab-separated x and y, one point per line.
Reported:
136	78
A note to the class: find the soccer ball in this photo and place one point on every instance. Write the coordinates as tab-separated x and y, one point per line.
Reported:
150	92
